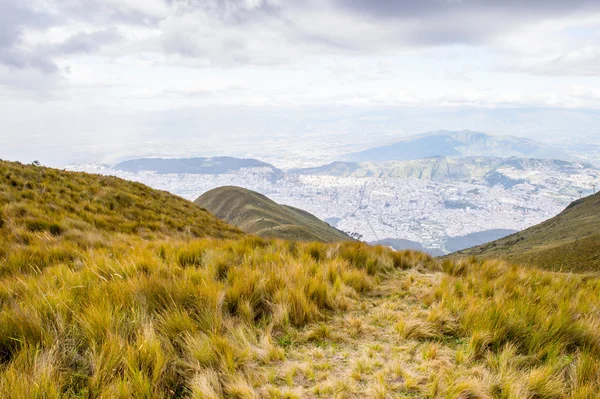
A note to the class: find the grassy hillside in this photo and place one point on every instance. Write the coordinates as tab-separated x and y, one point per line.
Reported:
256	214
99	310
569	241
48	215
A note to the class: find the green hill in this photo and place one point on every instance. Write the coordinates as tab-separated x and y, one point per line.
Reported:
256	214
569	242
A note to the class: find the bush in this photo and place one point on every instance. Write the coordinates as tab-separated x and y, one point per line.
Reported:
37	225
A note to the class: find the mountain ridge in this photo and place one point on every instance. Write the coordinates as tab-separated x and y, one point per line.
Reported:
196	165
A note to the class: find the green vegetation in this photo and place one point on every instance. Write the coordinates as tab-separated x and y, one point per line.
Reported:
152	297
567	242
256	214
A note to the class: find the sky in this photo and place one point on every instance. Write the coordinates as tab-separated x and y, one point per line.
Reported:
92	80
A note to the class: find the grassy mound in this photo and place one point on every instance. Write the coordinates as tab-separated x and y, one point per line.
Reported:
256	214
567	242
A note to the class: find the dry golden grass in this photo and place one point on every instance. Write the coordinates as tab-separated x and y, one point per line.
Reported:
477	330
145	323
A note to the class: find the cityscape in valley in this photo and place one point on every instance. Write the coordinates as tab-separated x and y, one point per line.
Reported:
437	203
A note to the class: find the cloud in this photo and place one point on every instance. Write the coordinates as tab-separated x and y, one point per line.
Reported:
15	17
127	41
233	11
111	12
265	32
82	43
428	8
583	61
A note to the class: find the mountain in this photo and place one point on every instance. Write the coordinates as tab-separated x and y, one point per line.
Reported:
254	213
490	171
458	144
568	241
209	166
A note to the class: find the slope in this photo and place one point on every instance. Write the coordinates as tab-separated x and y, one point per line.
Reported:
68	211
256	214
568	241
469	330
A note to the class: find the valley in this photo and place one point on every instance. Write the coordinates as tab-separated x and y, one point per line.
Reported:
408	200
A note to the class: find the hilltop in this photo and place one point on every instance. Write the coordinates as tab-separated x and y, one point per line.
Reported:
254	213
568	241
198	165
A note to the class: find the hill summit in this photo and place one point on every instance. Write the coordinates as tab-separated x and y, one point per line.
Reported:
461	143
256	214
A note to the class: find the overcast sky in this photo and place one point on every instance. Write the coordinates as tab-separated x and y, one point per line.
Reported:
84	80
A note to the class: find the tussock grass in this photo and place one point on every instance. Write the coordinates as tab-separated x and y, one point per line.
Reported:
476	329
49	216
533	330
141	322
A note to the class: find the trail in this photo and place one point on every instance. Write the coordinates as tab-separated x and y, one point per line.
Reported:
362	353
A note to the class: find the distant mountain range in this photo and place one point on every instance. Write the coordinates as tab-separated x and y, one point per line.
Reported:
254	213
445	143
207	166
567	242
491	171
